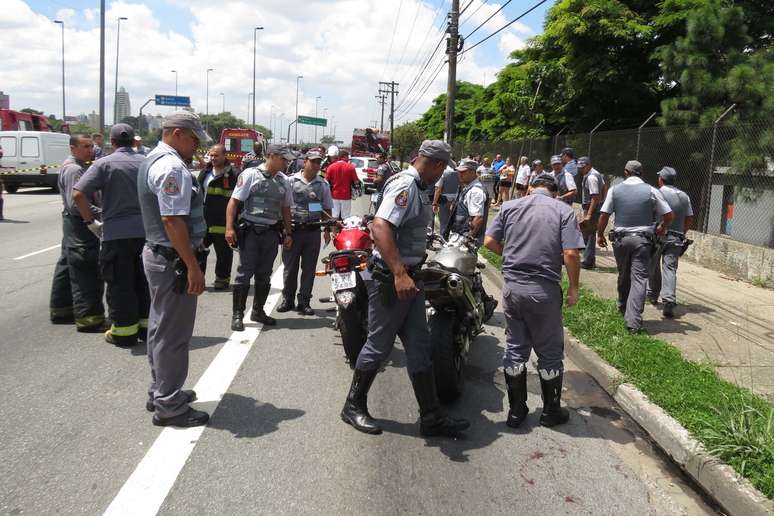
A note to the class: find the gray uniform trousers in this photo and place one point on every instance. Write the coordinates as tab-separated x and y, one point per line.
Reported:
306	250
444	211
405	319
256	257
533	316
663	278
590	252
170	327
632	256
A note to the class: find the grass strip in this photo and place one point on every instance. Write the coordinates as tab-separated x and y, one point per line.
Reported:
732	423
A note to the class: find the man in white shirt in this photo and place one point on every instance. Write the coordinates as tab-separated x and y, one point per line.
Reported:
522	177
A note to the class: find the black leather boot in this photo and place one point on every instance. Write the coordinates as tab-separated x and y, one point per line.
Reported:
238	312
303	306
355	411
553	413
669	310
433	420
516	380
258	315
286	305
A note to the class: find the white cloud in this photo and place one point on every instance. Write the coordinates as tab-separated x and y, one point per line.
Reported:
510	42
339	46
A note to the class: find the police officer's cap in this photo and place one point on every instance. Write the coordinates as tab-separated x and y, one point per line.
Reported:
281	150
634	167
569	151
186	120
437	149
544	181
122	133
583	161
556	159
667	173
467	165
536	163
313	154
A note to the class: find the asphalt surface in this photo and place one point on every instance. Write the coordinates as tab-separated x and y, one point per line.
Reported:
74	428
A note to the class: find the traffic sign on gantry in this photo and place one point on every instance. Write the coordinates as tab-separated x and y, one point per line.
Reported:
172	100
311	120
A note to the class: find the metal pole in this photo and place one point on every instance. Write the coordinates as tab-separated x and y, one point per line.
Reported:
382	101
223	98
175	72
451	86
556	139
139	120
255	50
207	99
61	22
316	99
291	125
248	106
592	134
115	89
639	133
325	116
707	191
298	81
101	66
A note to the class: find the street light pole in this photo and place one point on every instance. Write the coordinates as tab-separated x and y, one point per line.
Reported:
316	100
298	81
325	116
175	72
61	22
115	89
255	50
223	96
248	106
207	99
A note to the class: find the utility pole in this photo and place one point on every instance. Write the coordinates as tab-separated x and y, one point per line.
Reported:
382	100
101	66
452	47
61	22
390	88
255	50
115	87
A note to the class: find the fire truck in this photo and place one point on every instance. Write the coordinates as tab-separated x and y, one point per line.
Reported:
20	121
239	142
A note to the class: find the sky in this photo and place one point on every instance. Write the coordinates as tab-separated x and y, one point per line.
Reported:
342	48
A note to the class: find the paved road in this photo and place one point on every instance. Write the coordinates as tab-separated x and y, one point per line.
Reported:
75	433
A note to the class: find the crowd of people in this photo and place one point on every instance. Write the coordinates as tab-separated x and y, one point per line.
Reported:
138	225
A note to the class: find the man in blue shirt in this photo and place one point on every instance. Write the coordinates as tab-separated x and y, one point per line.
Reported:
497	164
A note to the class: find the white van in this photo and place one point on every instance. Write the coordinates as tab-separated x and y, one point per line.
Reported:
32	158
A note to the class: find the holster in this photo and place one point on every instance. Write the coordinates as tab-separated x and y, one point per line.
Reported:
385	282
181	270
686	244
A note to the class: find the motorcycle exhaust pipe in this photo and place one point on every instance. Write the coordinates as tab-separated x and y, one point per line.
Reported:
455	285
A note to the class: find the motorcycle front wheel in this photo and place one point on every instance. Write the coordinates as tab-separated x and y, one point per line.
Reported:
448	361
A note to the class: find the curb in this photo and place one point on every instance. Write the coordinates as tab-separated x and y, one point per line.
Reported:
732	492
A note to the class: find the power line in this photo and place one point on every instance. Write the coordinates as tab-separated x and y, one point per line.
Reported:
424	90
465	8
471	15
421	47
392	39
411	31
490	17
417	78
522	15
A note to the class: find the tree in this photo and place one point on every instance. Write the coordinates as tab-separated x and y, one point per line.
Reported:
406	140
216	123
327	140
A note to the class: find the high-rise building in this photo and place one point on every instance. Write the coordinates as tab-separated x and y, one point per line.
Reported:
93	120
5	101
123	107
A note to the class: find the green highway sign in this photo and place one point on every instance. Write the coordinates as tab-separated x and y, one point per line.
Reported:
310	120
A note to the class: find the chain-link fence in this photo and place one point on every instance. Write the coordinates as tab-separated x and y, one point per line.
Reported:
736	199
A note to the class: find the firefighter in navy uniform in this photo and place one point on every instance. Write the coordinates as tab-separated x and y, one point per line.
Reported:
312	202
123	236
267	198
396	304
76	292
218	181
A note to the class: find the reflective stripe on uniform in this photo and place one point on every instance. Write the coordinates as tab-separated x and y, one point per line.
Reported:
124	331
61	312
89	320
214	190
143	323
218	230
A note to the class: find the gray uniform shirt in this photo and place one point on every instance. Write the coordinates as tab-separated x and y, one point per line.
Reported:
248	179
71	172
384	171
115	176
449	183
311	204
536	230
407	207
660	206
680	204
593	184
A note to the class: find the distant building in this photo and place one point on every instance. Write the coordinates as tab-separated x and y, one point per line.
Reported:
153	122
93	120
5	101
123	106
83	119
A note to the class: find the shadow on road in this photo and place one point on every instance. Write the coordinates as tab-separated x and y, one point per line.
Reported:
247	417
12	221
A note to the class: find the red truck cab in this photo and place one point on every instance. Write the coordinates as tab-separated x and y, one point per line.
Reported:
239	142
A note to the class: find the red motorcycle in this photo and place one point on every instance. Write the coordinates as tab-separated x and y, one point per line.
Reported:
348	268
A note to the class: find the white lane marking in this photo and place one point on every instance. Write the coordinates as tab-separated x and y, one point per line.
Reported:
38	252
150	483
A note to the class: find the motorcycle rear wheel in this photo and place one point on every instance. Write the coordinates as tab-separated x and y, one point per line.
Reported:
353	329
448	362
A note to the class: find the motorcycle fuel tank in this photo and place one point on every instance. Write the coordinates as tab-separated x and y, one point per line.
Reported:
353	239
455	259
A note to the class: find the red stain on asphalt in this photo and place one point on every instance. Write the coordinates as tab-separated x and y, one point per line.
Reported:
569	499
536	455
529	481
618	469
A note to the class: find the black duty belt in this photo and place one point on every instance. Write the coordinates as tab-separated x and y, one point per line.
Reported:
166	252
302	226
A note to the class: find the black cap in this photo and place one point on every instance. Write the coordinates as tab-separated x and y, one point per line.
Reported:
569	151
122	133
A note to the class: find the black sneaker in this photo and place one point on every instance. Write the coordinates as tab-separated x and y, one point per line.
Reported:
185	420
262	318
285	305
587	267
653	300
305	310
191	398
669	310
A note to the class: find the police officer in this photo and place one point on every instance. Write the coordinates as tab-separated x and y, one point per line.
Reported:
634	204
565	182
172	208
383	172
569	164
312	202
218	181
535	235
76	292
267	199
446	190
591	201
471	205
97	151
396	303
123	236
673	243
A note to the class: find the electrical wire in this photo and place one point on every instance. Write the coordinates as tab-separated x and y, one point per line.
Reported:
471	15
522	15
417	78
487	20
427	85
392	39
465	8
421	46
410	32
